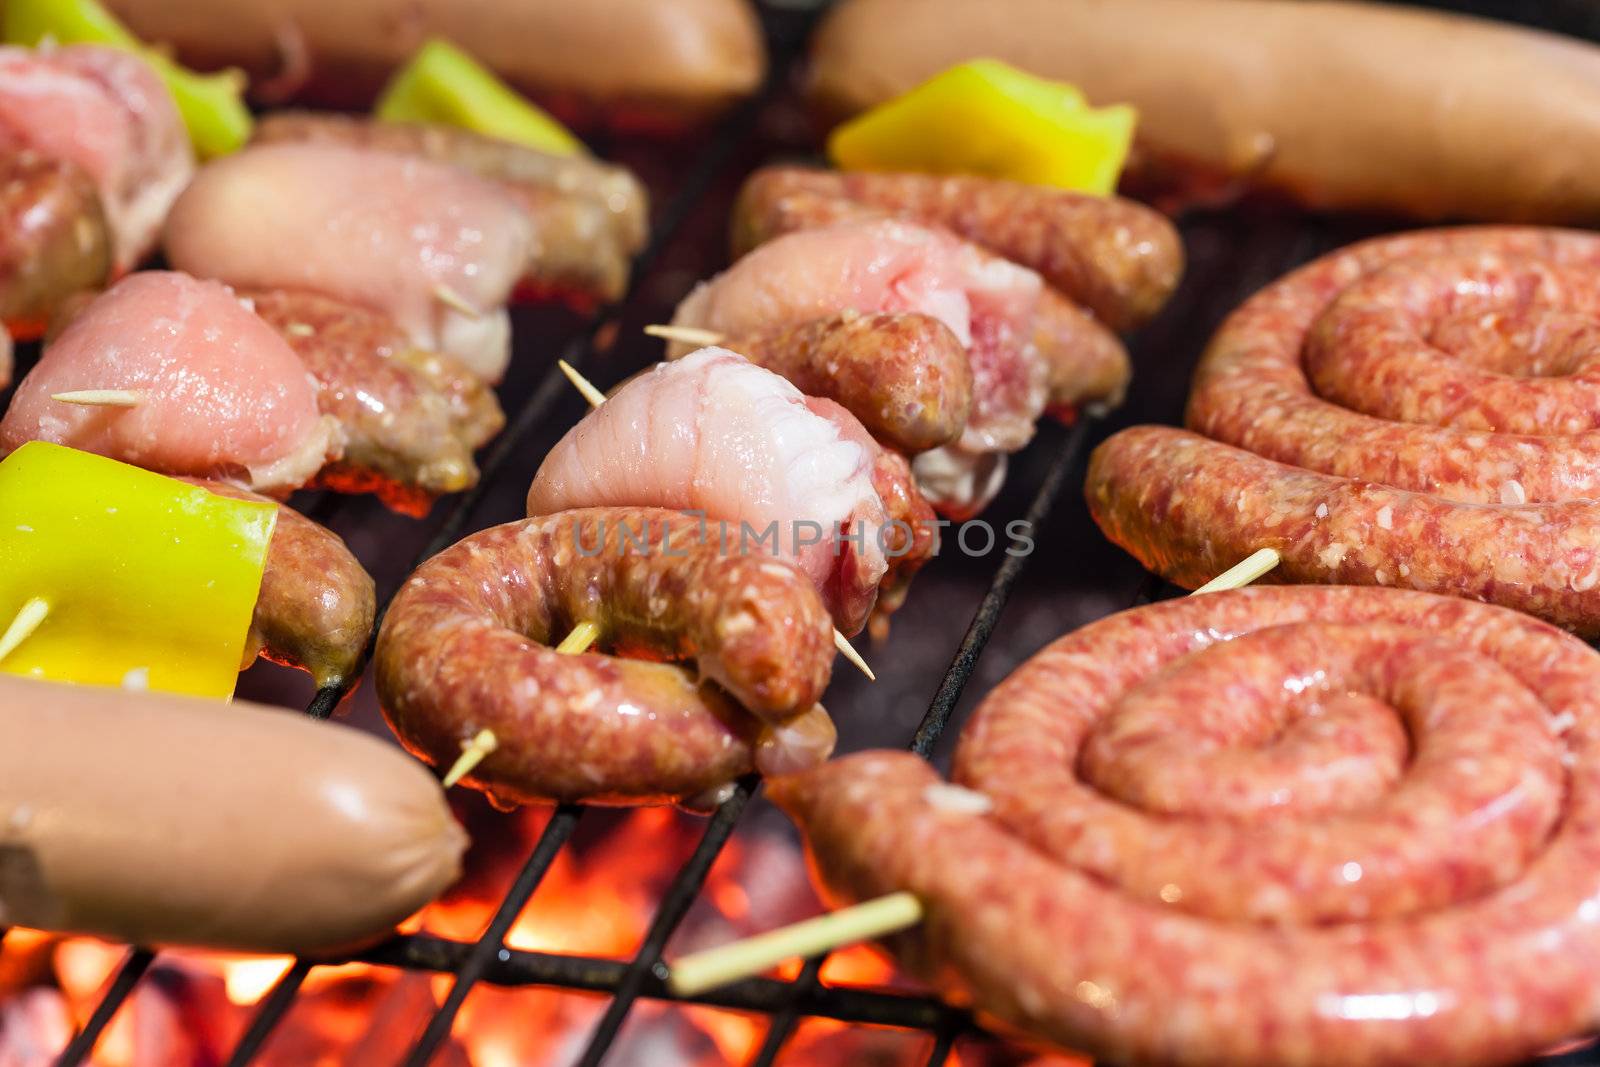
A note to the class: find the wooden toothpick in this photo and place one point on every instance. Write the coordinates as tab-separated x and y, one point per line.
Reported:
689	335
472	754
103	398
33	613
595	398
1242	573
452	299
578	641
715	967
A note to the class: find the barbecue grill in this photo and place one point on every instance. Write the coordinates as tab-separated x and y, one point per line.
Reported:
1077	575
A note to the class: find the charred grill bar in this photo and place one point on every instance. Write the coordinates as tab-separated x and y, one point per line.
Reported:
1229	258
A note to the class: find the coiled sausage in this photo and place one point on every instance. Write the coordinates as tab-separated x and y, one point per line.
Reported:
1275	826
462	650
1416	411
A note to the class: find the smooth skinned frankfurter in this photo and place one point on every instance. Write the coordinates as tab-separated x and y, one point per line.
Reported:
625	62
1339	105
162	820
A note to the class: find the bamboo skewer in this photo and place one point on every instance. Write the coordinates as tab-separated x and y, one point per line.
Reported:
1242	573
452	299
696	973
714	967
472	754
578	641
484	741
847	650
689	335
104	398
32	613
595	398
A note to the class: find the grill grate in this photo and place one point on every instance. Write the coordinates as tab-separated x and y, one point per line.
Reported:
1231	255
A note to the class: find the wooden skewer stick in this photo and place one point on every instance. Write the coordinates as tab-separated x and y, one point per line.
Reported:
28	619
595	398
715	967
452	299
700	971
1242	573
472	754
484	742
578	641
689	335
847	650
104	398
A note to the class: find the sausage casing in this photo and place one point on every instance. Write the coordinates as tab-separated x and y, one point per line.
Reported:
316	605
1279	826
156	820
904	375
57	242
462	649
1415	410
1117	258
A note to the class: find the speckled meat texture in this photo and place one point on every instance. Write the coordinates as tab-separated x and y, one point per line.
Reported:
1118	259
1275	826
463	649
589	217
316	606
1419	411
904	375
411	418
57	241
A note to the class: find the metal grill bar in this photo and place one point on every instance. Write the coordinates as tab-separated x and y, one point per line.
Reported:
128	975
950	689
556	833
674	906
514	968
273	1007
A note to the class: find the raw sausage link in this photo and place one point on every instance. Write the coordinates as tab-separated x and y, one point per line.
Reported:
1422	411
316	605
57	241
589	217
411	418
905	376
462	650
1117	258
1207	819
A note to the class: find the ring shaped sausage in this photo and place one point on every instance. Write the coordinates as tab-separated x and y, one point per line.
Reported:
1421	410
1281	826
462	649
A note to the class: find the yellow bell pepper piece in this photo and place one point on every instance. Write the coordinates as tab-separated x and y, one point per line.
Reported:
146	581
212	105
442	84
986	117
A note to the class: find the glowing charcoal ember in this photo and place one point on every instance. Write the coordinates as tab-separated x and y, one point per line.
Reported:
148	582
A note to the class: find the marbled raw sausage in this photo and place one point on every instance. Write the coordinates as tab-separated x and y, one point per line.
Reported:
462	650
1275	826
1419	410
1118	259
904	375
